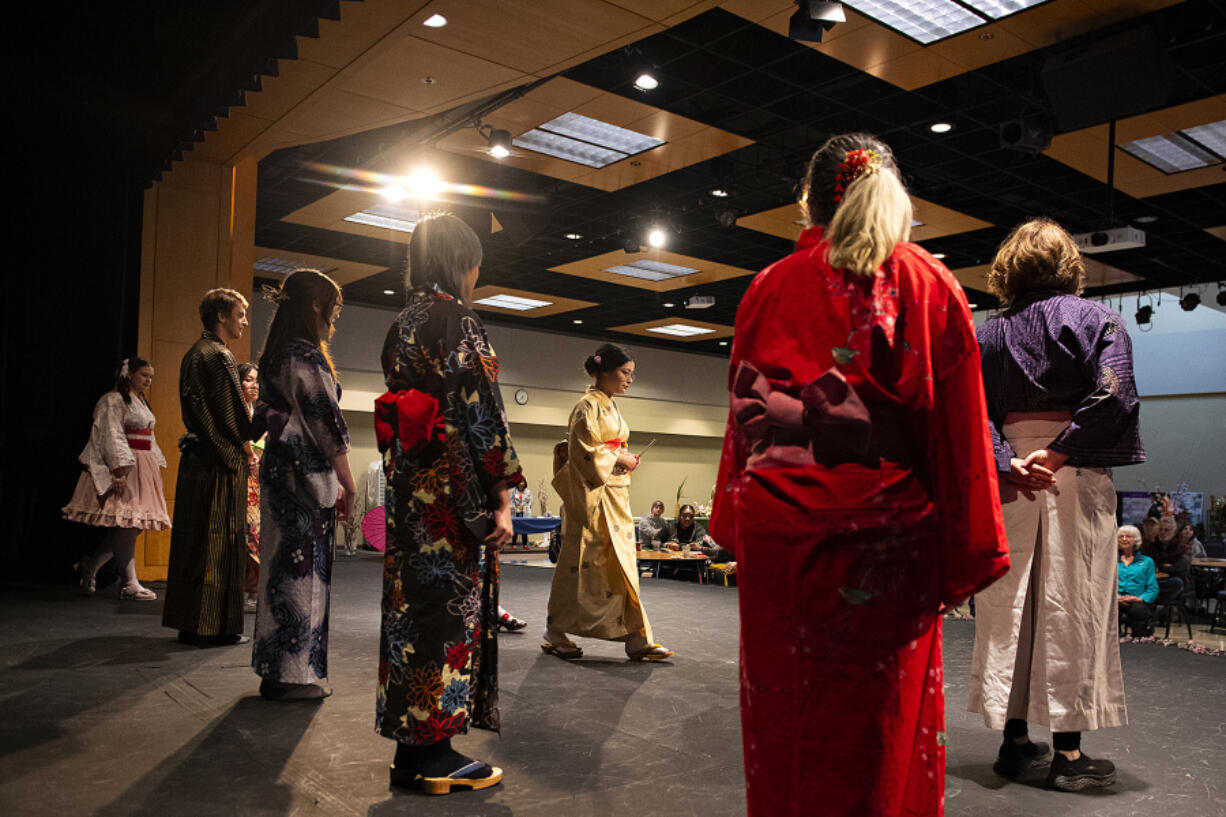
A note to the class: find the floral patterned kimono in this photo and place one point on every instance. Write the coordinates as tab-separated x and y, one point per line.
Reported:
298	488
443	433
858	491
595	590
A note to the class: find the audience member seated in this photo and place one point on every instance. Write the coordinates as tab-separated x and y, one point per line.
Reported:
653	524
1196	548
1172	557
1149	535
1138	584
685	531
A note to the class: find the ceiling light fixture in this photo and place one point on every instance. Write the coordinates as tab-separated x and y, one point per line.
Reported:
651	270
813	18
513	302
1145	219
1170	153
723	343
646	82
393	192
500	143
1144	315
577	321
1190	301
657	237
388	216
668	304
435	21
924	21
389	292
681	330
938	255
573	236
719	193
424	184
585	141
1212	136
940	127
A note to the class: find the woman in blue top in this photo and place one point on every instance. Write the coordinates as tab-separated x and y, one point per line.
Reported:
1138	583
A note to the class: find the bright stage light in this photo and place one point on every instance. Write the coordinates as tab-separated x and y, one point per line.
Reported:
656	238
424	184
393	192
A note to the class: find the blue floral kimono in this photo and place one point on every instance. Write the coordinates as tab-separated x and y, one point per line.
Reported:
298	489
446	447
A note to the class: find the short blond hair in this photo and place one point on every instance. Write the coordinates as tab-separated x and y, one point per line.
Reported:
1037	255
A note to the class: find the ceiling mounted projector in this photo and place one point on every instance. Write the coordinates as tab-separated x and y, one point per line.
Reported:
700	302
1118	238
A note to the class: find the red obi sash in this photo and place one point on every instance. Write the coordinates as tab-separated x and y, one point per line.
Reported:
139	439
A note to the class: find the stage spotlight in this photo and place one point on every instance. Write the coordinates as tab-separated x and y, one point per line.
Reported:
393	193
500	143
423	184
657	237
1144	315
1190	301
1221	297
813	18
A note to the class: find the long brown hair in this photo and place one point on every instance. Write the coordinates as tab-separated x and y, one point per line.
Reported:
296	318
123	376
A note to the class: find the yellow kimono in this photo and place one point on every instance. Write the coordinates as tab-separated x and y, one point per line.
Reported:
595	589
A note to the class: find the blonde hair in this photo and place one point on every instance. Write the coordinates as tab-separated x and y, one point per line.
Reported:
1037	255
873	218
867	218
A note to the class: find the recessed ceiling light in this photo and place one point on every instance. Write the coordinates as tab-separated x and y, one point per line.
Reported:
389	292
574	236
577	320
1145	219
668	304
504	301
938	255
996	9
435	21
924	21
646	82
650	270
973	306
681	330
1212	136
656	237
388	216
1170	153
719	193
723	343
585	141
940	127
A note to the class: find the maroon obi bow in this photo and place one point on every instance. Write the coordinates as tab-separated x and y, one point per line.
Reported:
795	425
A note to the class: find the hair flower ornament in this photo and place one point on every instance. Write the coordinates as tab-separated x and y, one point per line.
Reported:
123	368
596	358
857	163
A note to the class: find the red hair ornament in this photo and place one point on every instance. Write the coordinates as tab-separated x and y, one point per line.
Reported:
857	163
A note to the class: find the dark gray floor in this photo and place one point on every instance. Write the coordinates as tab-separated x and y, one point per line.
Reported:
104	713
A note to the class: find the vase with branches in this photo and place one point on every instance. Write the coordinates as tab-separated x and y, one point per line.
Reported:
351	528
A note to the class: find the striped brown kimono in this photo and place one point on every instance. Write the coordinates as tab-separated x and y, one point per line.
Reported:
204	588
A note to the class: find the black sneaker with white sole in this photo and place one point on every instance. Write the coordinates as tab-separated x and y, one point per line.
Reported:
1082	773
1015	758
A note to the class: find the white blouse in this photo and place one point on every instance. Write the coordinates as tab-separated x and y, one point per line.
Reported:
108	447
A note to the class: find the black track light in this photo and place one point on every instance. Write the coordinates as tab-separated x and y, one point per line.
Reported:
1144	315
1190	301
1221	297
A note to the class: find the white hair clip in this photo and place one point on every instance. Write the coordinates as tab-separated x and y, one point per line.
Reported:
123	368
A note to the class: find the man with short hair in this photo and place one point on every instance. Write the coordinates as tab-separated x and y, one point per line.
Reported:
204	588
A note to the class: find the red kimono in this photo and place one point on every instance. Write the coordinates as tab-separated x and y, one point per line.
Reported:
858	489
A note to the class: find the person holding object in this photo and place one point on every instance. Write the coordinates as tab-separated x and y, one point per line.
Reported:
686	531
595	590
1137	585
204	583
447	452
306	486
857	490
120	487
1063	407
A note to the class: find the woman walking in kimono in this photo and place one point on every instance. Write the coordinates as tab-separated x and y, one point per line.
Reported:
120	487
448	457
305	487
248	377
857	490
595	591
1064	410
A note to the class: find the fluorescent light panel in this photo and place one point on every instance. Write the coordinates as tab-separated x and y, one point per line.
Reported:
1170	153
923	20
284	266
1212	136
389	216
585	141
996	9
504	301
650	270
681	330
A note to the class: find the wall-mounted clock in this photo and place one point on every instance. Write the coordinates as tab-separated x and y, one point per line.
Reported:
521	396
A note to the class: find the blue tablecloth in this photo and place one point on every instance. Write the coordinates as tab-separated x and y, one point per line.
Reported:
535	524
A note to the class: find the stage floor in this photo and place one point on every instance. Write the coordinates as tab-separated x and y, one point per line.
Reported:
105	713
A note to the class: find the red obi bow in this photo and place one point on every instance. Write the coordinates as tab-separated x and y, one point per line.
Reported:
411	415
788	424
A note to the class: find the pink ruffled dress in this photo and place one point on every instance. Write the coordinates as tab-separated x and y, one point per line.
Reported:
122	435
